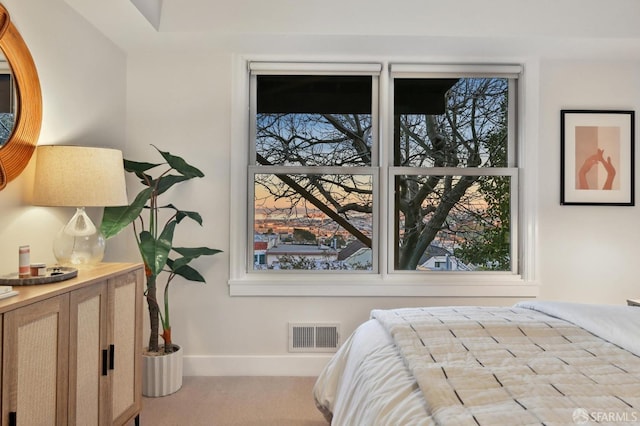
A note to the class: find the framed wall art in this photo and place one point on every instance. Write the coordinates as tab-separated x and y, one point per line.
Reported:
597	157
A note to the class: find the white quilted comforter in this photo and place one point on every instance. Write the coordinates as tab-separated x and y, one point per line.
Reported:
523	365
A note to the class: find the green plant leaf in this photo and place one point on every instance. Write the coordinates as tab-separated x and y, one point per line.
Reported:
196	251
190	253
168	181
138	167
180	165
156	252
185	271
181	214
115	219
195	216
168	206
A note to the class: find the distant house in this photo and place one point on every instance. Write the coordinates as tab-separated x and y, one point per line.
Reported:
437	258
260	252
262	243
356	253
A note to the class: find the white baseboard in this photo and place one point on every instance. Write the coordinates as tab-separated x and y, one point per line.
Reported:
255	365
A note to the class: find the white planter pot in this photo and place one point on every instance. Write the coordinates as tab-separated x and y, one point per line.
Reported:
161	375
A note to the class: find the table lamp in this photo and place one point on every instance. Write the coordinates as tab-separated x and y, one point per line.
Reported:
77	176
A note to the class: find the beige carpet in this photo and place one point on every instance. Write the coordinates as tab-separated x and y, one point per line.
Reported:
241	401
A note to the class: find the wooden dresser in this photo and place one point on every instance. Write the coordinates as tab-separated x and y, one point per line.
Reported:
71	351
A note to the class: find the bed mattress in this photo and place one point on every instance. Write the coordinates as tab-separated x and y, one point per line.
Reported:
534	363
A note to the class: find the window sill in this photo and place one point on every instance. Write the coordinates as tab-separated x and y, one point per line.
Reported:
495	285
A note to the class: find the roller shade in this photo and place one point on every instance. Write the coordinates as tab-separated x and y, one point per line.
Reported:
320	94
420	95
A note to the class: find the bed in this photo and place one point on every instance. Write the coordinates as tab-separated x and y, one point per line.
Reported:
536	362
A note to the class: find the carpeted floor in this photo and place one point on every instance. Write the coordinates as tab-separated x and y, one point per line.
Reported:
241	401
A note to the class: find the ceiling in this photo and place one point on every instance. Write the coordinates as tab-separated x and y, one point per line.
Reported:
142	24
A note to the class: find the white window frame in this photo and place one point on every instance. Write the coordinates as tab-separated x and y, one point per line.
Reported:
512	72
245	282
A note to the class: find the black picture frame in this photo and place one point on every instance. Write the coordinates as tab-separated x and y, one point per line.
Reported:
597	157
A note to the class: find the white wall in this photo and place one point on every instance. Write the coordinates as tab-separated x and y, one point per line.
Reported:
83	97
587	253
179	98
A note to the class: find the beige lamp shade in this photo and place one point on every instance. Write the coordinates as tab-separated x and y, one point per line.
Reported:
77	176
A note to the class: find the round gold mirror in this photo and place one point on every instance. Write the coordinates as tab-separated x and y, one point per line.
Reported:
16	152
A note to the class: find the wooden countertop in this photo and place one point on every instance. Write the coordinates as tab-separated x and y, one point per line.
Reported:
86	276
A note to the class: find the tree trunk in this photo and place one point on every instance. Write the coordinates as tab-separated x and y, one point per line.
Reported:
154	313
419	237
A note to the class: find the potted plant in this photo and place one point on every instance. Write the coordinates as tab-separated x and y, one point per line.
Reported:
154	225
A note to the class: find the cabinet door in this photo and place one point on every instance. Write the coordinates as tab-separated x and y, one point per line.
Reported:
88	356
125	299
35	364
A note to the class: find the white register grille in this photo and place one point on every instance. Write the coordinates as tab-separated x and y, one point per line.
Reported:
314	337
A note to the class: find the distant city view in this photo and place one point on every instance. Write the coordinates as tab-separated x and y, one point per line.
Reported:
315	222
315	242
312	241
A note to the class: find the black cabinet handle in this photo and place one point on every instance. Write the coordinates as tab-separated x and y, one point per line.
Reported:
112	356
104	362
13	418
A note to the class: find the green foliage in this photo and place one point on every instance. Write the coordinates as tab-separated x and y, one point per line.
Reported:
490	246
155	240
296	262
303	235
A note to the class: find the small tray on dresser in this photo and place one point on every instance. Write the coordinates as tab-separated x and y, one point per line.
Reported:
52	275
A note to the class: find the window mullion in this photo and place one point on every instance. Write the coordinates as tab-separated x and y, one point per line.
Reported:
455	171
515	221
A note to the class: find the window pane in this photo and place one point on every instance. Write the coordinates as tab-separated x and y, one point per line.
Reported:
452	223
470	132
314	120
313	221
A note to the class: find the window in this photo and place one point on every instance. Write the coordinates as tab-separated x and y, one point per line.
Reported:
454	175
343	196
312	173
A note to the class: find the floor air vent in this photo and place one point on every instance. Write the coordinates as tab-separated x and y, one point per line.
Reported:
314	337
